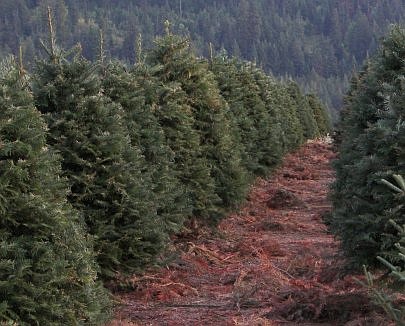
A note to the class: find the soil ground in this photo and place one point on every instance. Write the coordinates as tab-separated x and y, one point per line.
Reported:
271	263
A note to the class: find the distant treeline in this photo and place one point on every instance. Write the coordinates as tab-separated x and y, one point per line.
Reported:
319	43
101	162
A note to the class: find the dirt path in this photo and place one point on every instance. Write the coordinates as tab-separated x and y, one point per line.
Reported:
272	263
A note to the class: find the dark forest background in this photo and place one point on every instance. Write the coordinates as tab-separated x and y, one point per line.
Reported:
319	43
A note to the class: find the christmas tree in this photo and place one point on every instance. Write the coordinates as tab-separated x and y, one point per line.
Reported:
371	148
320	114
191	108
47	266
137	91
105	171
304	112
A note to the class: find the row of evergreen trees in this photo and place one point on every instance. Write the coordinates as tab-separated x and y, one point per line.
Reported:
100	163
372	143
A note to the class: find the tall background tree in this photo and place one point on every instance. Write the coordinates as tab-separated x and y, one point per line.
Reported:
316	42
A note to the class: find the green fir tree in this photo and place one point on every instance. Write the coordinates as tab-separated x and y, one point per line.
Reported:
248	110
372	147
291	125
273	124
105	171
213	173
304	111
137	91
47	265
320	113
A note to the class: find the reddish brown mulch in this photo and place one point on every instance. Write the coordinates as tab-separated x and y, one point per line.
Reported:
271	263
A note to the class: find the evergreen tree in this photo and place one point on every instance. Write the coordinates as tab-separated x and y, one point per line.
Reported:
137	91
213	123
291	125
396	269
176	117
259	145
304	111
240	89
226	73
47	267
217	177
104	170
217	134
274	137
320	114
372	147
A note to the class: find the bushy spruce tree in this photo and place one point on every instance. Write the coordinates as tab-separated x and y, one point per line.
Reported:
291	125
304	111
275	134
137	91
194	118
176	117
372	147
213	123
47	266
259	145
320	113
340	125
239	88
105	171
226	72
397	268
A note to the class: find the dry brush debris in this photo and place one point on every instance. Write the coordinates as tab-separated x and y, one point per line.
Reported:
271	263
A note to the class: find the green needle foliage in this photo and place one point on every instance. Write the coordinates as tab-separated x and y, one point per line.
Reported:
247	112
304	112
126	155
226	73
176	117
372	134
261	145
273	133
263	112
47	266
212	121
397	269
320	113
137	91
196	123
291	124
105	171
